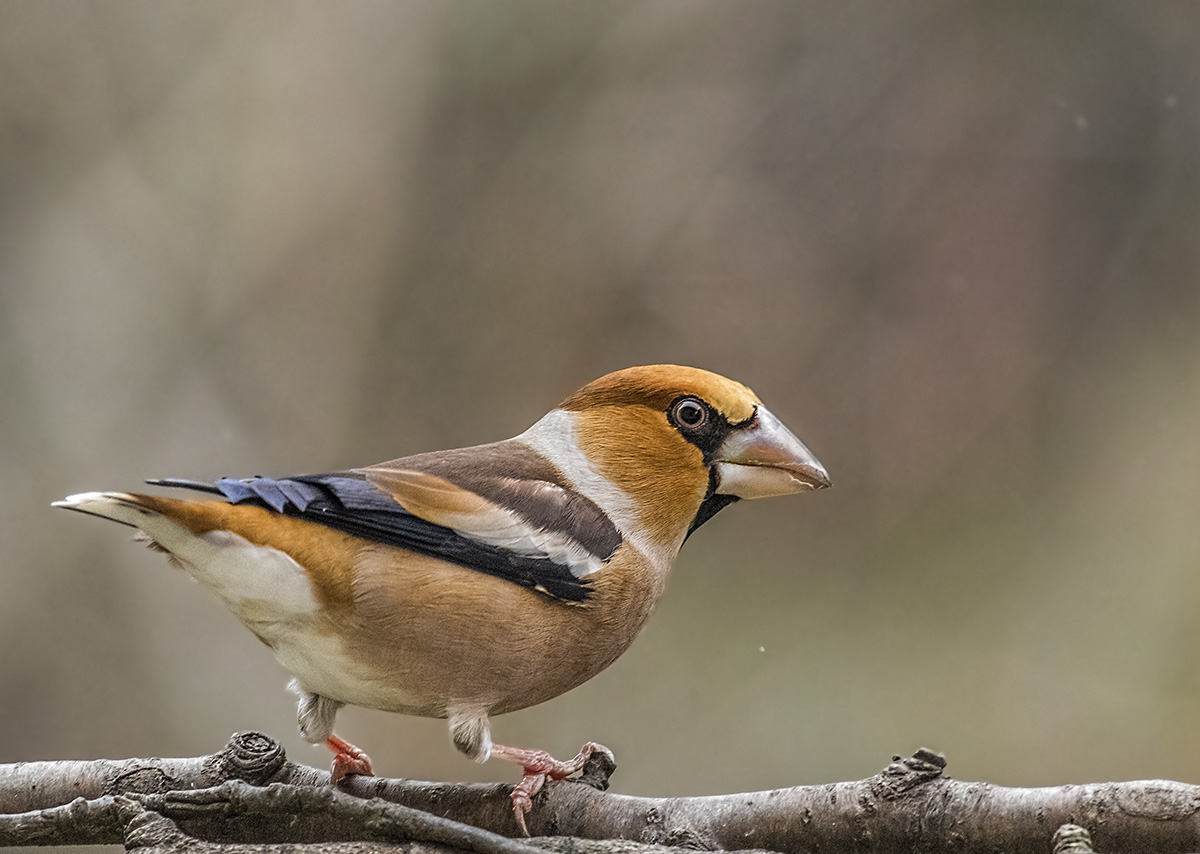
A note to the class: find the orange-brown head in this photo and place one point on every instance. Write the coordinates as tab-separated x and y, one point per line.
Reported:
661	448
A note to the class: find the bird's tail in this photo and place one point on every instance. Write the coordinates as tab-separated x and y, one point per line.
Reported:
128	509
118	506
214	544
196	536
156	527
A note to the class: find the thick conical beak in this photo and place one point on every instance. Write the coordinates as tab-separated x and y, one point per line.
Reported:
764	458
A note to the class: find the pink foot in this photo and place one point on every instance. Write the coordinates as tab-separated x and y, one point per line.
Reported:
539	766
347	759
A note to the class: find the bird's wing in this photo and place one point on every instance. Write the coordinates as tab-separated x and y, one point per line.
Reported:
430	515
437	500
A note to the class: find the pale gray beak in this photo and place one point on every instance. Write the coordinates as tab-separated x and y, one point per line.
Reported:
765	458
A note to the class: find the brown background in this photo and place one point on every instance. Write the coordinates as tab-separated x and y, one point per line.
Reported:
953	245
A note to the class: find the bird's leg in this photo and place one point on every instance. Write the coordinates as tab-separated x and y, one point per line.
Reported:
538	766
347	759
315	716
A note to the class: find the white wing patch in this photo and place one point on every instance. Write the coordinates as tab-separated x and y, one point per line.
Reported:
474	517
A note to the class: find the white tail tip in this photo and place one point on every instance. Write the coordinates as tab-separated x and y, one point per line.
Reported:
80	500
110	505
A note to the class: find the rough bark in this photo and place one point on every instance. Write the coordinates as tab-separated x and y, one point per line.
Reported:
248	797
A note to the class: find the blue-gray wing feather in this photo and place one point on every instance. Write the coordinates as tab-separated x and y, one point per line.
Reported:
347	502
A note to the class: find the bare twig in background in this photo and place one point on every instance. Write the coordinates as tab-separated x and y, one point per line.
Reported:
249	794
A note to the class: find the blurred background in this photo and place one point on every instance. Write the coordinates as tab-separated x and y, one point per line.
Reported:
955	246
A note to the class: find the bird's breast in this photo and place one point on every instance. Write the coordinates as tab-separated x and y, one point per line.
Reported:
422	635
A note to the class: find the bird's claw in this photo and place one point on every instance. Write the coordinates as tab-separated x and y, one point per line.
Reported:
540	766
347	759
522	798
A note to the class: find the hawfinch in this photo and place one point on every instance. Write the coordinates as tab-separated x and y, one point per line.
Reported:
467	583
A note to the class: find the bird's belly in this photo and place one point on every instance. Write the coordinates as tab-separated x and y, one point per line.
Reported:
322	664
486	643
430	673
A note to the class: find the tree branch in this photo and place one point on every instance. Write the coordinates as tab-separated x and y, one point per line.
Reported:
249	794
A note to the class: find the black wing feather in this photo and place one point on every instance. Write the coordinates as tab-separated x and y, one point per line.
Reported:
347	502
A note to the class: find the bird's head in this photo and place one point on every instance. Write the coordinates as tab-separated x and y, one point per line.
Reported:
661	448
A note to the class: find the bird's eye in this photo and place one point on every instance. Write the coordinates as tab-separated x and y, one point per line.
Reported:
690	413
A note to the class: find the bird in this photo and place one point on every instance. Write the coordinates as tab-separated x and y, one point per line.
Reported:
467	583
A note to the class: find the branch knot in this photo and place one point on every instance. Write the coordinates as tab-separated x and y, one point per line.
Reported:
253	757
905	774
